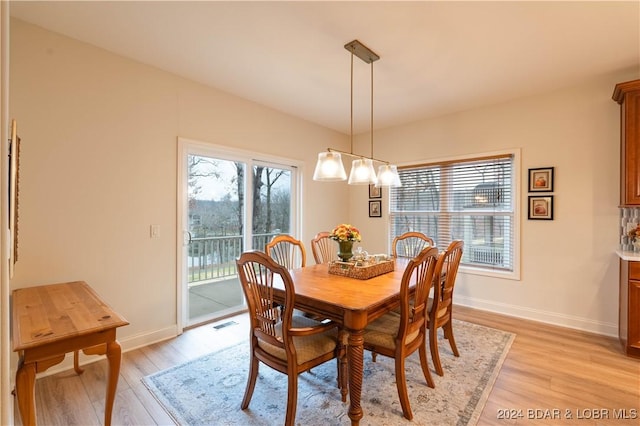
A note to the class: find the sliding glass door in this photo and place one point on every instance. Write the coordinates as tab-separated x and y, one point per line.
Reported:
232	203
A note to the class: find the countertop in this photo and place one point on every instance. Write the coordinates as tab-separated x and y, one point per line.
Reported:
632	256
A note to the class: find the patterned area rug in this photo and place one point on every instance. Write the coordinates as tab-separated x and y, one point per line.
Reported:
208	390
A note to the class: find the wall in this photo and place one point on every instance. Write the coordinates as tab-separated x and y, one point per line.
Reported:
98	167
569	270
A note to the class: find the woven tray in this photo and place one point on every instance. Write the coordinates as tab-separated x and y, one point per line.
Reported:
349	269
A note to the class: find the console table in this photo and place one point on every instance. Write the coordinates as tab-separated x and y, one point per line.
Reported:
51	320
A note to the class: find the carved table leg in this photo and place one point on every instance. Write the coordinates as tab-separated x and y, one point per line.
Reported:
26	393
114	356
356	367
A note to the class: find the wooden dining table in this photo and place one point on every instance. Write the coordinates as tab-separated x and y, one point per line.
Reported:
353	303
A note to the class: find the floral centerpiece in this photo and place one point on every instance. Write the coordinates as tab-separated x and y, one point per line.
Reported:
634	236
345	235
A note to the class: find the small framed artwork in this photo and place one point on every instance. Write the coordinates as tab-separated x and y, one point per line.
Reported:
375	192
541	207
375	208
541	179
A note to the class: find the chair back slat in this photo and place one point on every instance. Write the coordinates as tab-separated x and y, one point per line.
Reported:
324	249
258	273
414	292
410	244
287	251
449	262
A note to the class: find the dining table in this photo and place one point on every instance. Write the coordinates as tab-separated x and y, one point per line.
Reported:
351	302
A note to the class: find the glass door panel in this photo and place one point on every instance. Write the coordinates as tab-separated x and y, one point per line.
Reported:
271	203
229	203
215	226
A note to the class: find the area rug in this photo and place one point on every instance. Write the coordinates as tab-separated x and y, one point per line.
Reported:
208	390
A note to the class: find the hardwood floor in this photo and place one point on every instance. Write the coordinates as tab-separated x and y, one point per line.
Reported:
549	374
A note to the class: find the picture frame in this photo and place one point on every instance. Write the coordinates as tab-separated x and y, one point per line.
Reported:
375	208
540	207
541	179
375	192
14	178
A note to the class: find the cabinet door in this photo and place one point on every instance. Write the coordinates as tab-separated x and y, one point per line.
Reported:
628	95
634	317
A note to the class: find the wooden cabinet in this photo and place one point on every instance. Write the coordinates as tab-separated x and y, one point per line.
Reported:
628	96
629	319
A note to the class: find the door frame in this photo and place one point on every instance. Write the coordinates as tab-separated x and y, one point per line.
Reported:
190	146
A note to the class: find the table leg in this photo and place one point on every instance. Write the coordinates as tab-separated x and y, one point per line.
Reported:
26	392
114	356
356	367
76	363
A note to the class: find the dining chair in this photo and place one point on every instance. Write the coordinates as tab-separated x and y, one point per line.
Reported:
287	251
287	343
410	244
324	249
398	335
441	305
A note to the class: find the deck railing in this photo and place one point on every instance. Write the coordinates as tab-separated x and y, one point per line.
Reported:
211	258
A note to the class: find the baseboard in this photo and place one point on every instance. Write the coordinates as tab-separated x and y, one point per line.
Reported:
553	318
128	344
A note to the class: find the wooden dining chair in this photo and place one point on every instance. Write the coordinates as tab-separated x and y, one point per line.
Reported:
287	251
398	335
324	249
441	306
287	343
410	244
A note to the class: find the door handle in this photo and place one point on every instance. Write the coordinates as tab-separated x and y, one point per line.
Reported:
186	240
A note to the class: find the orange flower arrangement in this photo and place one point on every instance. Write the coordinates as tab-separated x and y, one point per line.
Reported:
345	232
634	234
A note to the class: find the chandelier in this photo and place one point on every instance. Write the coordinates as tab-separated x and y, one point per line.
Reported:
329	166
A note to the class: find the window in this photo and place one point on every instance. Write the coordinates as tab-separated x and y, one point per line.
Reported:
471	200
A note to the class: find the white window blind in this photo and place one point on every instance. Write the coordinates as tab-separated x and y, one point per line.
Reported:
470	200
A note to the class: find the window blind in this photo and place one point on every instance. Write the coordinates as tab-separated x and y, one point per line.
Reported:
471	200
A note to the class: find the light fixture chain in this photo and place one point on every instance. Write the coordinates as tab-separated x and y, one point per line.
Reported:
371	109
351	103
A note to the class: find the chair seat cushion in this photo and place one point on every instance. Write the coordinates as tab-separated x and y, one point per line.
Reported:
307	347
383	331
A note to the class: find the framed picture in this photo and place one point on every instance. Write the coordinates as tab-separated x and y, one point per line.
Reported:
541	179
375	192
541	207
14	178
375	208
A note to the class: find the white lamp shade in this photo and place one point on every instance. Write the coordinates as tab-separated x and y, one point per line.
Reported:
329	167
362	172
388	176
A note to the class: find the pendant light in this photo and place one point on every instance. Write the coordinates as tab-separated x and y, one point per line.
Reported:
329	166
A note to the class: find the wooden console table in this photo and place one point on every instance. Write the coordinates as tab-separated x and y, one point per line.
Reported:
52	320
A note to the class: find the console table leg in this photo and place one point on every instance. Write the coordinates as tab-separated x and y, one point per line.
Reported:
26	393
114	356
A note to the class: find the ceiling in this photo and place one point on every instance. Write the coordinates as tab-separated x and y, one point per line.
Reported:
436	58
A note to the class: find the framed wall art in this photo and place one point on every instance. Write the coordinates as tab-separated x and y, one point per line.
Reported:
375	208
375	192
541	207
541	179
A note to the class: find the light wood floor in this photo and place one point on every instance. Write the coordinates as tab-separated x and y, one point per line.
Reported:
548	368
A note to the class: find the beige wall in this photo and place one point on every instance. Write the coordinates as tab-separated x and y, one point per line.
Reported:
99	166
569	271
